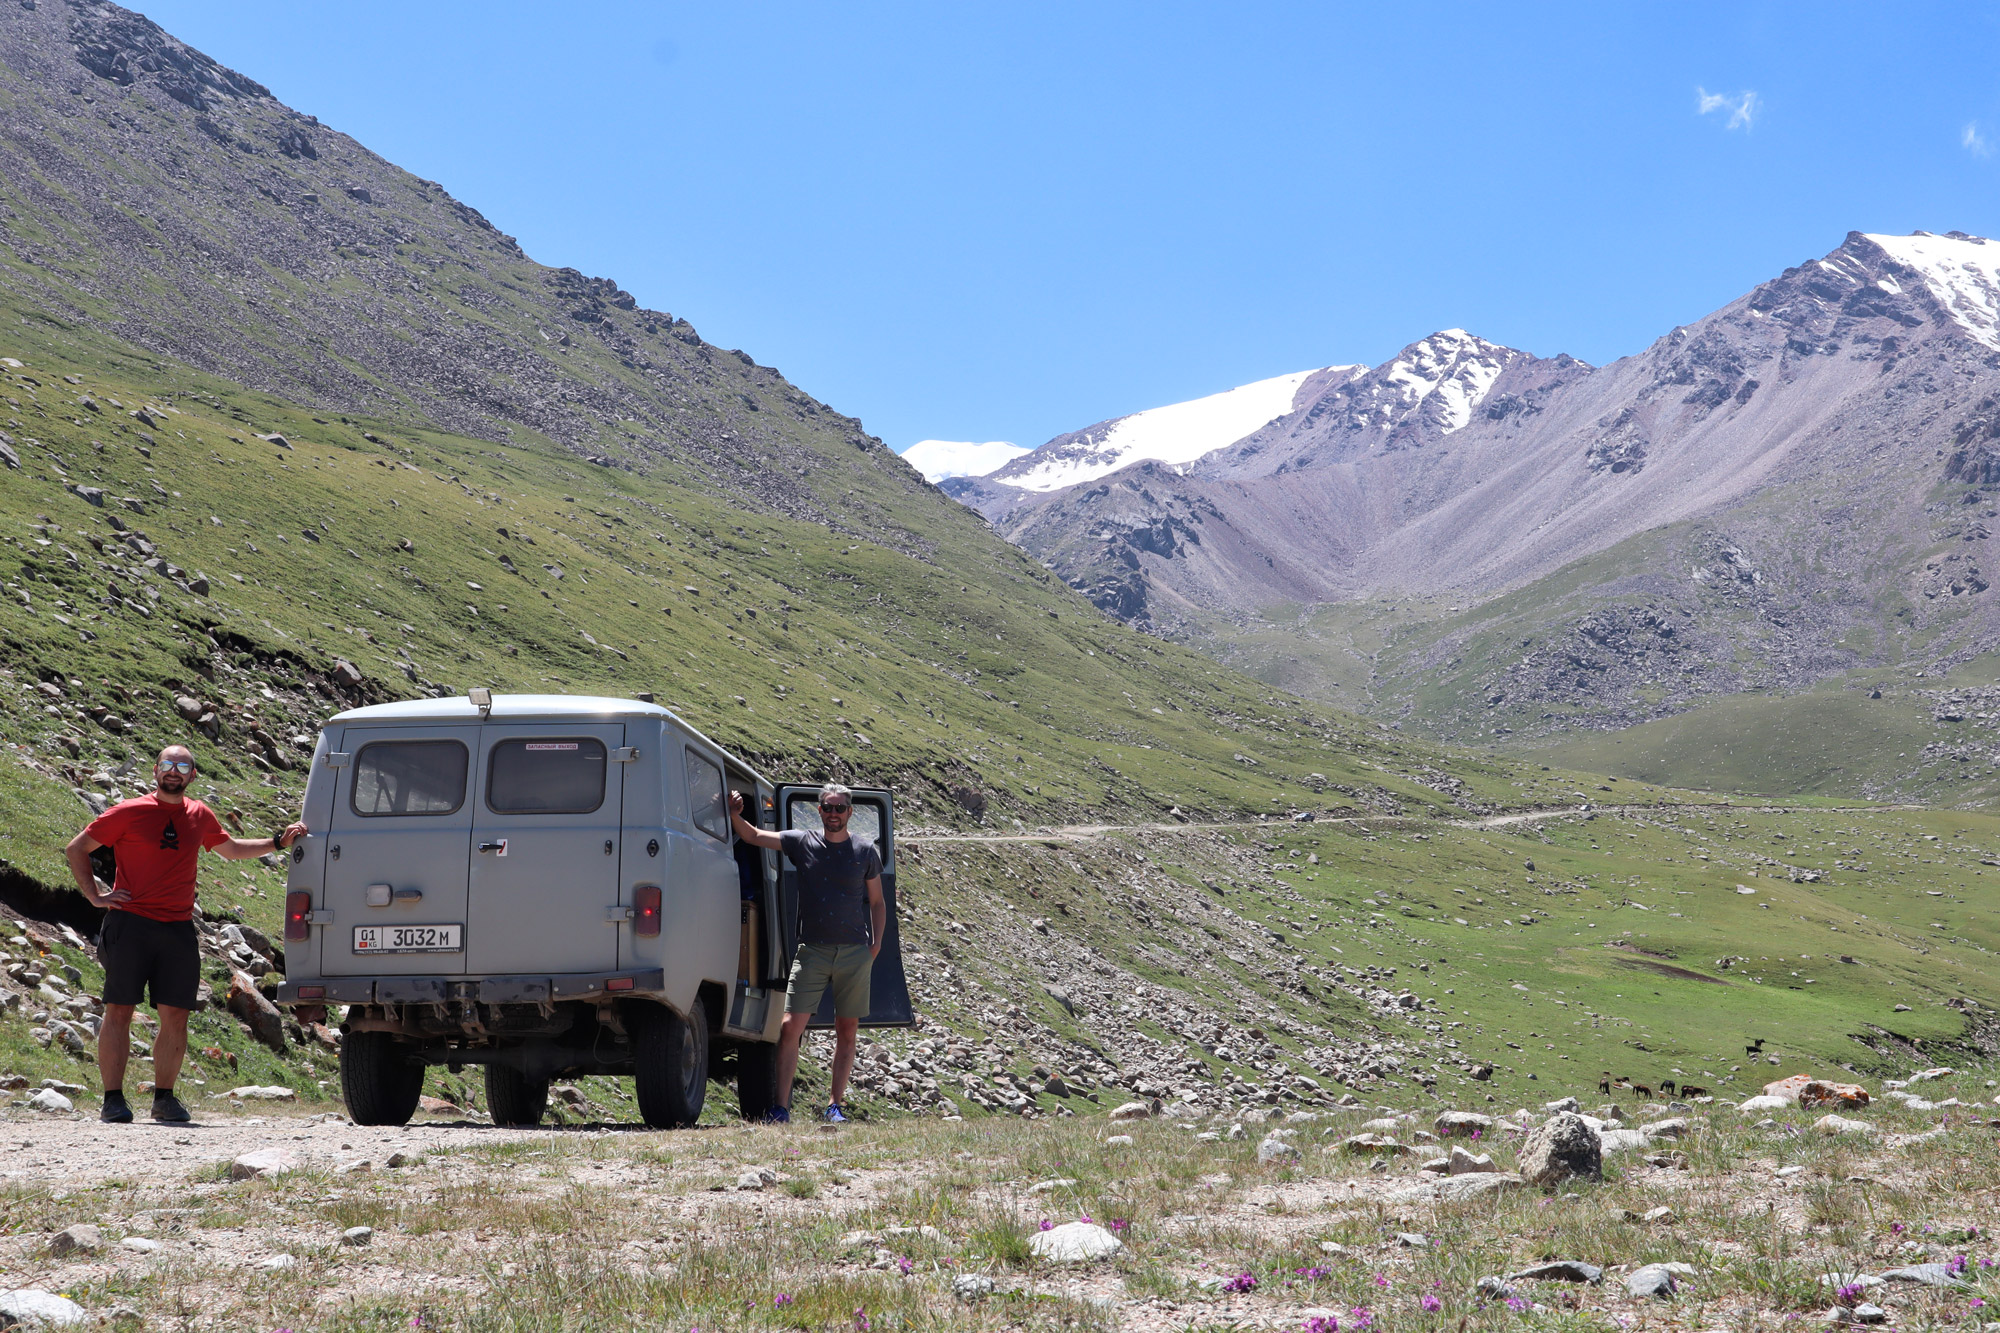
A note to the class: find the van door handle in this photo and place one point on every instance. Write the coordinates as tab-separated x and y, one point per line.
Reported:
618	914
500	846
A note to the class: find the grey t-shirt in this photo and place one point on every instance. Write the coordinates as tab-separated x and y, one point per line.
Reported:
833	885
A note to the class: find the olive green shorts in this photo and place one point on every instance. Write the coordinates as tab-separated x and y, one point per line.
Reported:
845	967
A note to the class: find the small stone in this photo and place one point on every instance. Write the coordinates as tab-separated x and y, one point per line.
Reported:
397	1160
1462	1124
750	1180
356	1237
1863	1313
1074	1242
255	1093
1927	1275
1236	1132
29	1308
1839	1124
83	1238
48	1099
263	1162
140	1245
278	1263
1132	1111
1462	1162
1119	1141
1675	1128
1652	1280
1050	1186
1561	1270
1411	1240
971	1287
1276	1150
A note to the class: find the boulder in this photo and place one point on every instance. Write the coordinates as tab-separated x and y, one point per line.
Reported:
1462	1124
356	1237
1925	1275
1839	1124
1673	1128
1622	1140
1378	1144
1562	1148
1655	1280
1926	1075
1456	1189
1762	1102
1805	1090
48	1099
256	1012
1074	1243
971	1287
1132	1111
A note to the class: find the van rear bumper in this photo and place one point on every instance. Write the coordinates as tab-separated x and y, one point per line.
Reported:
486	990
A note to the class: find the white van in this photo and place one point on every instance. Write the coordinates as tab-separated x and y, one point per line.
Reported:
548	886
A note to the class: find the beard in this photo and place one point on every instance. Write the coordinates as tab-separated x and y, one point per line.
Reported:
173	783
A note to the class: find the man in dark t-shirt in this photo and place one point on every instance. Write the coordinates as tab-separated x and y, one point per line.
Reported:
842	915
148	940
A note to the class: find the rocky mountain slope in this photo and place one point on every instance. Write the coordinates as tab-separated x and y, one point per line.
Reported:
1797	485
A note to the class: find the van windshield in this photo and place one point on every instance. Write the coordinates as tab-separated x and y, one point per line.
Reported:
556	776
408	778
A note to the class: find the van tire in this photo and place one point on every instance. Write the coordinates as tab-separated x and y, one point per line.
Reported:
378	1081
515	1099
756	1078
669	1063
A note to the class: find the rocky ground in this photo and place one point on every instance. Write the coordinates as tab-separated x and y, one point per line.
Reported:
1629	1214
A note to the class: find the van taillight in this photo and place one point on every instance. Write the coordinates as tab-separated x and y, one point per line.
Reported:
298	915
646	909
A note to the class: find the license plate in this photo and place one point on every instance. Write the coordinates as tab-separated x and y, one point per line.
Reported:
409	939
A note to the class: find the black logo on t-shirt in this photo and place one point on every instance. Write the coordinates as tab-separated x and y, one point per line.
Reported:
170	838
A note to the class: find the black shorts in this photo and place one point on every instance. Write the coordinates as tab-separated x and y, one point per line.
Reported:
138	951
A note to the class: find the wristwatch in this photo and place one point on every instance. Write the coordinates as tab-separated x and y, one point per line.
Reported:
278	841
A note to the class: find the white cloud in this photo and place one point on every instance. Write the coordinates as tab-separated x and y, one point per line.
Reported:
939	459
1742	107
1975	142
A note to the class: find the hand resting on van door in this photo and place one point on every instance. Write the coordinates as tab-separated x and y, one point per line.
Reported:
842	917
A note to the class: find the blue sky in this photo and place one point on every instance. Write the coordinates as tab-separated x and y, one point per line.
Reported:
1005	221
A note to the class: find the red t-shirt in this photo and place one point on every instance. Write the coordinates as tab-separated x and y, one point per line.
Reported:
156	844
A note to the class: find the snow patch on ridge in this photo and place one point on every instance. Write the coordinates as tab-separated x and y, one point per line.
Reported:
940	459
1964	276
1177	434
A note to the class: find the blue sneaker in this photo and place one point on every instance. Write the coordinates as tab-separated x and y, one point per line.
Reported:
834	1115
778	1115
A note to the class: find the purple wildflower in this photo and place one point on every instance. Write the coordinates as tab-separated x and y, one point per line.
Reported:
1431	1304
1048	1225
1321	1323
1381	1280
782	1299
1848	1294
1084	1217
1313	1274
1895	1228
1241	1285
861	1324
1957	1264
1120	1223
1475	1133
904	1266
1362	1319
1516	1304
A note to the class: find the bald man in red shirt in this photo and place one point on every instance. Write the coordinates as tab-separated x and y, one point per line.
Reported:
149	940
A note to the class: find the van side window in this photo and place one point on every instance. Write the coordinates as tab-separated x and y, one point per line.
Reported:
408	778
705	806
557	776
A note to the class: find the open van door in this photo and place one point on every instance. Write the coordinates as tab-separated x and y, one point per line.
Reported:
874	818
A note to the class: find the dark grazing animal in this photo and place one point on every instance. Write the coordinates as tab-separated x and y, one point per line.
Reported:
1690	1090
1642	1090
1667	1086
1755	1048
1604	1084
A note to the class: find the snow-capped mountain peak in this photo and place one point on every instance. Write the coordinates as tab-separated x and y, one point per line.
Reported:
939	460
1444	376
1177	434
1962	272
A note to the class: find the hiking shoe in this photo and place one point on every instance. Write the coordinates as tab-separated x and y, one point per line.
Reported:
834	1115
116	1111
778	1115
167	1108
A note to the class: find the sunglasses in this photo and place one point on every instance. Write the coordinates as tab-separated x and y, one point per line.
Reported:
176	766
835	809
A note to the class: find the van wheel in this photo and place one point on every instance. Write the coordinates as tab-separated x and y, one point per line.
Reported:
669	1063
756	1077
513	1098
378	1081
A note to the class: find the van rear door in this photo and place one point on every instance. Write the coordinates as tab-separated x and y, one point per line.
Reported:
874	818
545	849
397	844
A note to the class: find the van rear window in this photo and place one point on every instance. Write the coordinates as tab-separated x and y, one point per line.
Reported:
557	775
705	803
408	778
